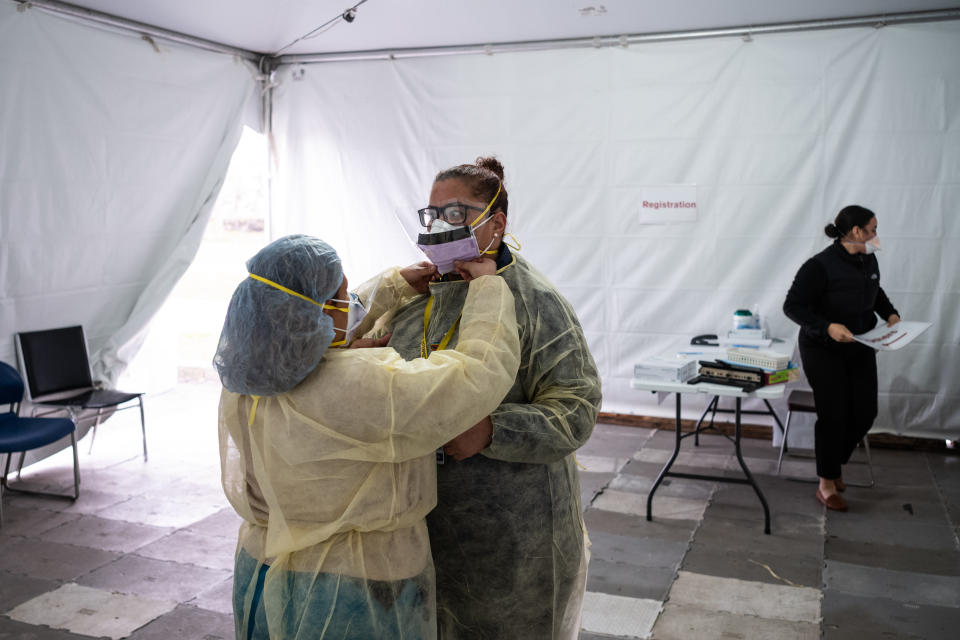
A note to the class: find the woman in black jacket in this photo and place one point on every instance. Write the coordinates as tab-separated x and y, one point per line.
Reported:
835	295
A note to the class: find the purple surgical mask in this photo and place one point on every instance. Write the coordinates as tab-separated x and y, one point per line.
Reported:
445	243
443	247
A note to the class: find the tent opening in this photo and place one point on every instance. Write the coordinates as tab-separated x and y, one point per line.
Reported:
183	336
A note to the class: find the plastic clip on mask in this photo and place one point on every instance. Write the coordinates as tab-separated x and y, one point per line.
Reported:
445	243
355	314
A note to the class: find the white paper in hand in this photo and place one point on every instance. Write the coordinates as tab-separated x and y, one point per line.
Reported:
884	338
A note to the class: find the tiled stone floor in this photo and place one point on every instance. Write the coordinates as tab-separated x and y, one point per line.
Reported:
146	552
889	568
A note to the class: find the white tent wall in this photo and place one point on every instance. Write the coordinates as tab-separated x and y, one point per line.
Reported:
112	150
778	133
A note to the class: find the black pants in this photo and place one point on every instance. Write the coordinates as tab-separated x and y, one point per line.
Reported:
844	382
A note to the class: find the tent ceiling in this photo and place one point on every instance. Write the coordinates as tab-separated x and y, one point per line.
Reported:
268	25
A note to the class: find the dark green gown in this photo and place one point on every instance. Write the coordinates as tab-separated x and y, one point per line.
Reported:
507	534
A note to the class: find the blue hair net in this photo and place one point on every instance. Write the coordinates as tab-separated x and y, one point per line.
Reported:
272	339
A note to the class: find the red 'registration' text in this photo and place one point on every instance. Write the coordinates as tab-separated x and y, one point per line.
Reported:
668	204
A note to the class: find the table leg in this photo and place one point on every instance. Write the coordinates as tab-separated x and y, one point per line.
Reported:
696	430
775	417
666	467
746	471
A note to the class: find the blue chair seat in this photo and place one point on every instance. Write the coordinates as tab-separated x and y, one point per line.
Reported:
22	434
19	435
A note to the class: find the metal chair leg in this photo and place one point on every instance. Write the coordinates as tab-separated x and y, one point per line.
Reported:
783	443
76	476
93	435
76	465
1	495
866	449
143	429
23	456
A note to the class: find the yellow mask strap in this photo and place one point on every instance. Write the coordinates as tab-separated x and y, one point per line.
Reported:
484	212
302	297
516	247
284	289
333	308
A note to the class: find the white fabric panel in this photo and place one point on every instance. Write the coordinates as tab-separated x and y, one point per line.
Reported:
112	151
777	134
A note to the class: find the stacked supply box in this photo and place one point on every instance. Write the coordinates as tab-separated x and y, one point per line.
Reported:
776	366
666	368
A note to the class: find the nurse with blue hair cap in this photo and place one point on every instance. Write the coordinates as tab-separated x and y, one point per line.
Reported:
328	454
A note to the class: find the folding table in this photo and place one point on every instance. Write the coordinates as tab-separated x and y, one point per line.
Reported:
717	390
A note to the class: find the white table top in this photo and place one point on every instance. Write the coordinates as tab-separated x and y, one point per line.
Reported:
685	349
651	384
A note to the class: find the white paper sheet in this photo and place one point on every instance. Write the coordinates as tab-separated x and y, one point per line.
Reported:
884	338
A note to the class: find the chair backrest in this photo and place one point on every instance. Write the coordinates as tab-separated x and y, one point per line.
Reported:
54	361
11	385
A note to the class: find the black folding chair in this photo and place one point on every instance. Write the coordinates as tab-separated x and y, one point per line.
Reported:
57	371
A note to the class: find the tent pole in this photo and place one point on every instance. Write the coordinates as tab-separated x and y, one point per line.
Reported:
626	40
55	6
268	69
98	17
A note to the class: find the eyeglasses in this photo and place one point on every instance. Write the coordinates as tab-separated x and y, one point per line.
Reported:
453	213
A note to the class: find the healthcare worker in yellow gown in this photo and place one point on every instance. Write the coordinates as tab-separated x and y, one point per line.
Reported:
329	454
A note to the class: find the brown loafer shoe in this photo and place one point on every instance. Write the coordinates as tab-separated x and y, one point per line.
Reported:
834	502
841	485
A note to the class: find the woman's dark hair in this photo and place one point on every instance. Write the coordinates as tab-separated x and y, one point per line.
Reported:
484	177
849	217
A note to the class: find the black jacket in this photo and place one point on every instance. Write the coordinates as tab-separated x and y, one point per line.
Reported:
837	286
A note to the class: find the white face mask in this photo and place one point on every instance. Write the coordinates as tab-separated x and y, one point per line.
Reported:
872	245
355	315
439	226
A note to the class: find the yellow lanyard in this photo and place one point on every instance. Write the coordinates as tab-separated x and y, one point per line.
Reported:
424	349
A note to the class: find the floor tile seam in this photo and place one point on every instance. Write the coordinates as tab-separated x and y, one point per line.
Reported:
179	564
596	494
153	497
874	523
899	601
135	522
954	574
890	598
631	565
700	607
120	555
690	542
894	572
